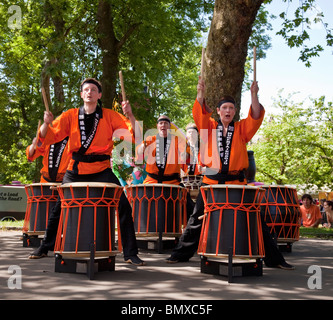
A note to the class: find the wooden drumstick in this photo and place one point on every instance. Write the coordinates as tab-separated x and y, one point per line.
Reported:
254	64
122	86
202	63
39	124
46	104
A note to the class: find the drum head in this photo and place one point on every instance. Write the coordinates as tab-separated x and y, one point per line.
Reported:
152	185
90	185
232	186
48	184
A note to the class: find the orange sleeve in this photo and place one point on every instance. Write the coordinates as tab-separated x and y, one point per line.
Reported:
38	152
202	118
60	129
250	126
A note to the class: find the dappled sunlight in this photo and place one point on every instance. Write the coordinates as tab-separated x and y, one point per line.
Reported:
159	280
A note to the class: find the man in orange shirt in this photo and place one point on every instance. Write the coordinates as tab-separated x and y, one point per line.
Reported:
55	159
223	152
91	130
311	215
193	159
165	157
165	154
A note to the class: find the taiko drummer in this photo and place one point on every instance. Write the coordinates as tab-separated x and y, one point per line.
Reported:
224	154
91	129
55	159
165	155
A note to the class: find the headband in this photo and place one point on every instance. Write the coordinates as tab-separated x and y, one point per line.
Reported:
163	119
92	81
225	101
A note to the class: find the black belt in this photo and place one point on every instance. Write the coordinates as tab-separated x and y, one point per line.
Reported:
223	177
90	157
160	177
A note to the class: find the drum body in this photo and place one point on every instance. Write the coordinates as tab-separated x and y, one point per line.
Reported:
41	198
87	218
281	212
231	221
157	208
192	183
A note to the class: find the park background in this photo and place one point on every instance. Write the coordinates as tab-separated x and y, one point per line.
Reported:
157	45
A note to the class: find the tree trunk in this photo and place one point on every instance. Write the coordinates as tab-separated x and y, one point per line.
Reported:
110	55
226	51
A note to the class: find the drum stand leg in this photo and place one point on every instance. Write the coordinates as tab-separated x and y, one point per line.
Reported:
160	242
286	247
88	266
231	269
31	240
160	245
91	266
230	265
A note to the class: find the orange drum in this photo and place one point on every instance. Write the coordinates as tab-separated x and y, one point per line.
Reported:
281	212
192	183
87	217
231	222
41	198
157	208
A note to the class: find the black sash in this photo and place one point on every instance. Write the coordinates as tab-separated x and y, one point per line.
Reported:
193	159
86	139
55	155
224	148
162	155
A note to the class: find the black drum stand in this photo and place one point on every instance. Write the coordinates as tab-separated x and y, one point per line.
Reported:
231	268
89	265
157	243
32	240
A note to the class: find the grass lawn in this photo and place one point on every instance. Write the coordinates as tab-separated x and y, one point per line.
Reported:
9	224
324	233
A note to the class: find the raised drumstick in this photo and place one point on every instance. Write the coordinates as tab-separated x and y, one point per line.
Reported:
254	64
202	63
39	124
122	87
46	104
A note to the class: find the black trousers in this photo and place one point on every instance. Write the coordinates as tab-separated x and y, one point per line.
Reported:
125	213
189	240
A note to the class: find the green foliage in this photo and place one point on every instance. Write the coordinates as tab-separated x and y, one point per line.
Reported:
296	30
160	61
295	146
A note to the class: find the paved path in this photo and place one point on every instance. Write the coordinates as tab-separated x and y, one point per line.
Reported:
162	281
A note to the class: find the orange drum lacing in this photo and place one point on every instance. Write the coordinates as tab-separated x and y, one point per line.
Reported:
285	222
81	203
152	199
213	207
32	198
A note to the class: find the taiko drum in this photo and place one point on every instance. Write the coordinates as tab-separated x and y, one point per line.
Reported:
281	212
157	208
231	222
87	217
41	198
